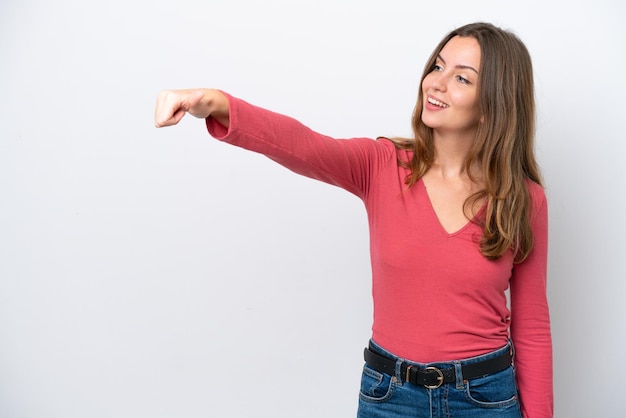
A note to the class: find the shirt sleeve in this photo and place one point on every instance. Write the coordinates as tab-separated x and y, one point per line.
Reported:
347	163
530	319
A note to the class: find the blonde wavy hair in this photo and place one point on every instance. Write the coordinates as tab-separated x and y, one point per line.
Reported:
503	148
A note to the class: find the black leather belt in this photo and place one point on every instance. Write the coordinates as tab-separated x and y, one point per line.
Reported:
433	377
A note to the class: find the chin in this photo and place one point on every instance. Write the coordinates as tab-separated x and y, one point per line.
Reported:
429	123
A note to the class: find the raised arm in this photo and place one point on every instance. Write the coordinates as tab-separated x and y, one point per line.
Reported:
172	105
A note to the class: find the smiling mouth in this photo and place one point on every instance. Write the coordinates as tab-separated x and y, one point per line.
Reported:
438	103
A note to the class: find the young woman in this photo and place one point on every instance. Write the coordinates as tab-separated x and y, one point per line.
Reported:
457	216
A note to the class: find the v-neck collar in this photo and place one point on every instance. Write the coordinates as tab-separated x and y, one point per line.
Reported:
468	224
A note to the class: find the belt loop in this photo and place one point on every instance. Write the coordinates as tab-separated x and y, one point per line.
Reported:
398	375
512	349
458	373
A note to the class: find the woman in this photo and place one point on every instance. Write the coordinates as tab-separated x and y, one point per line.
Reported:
457	216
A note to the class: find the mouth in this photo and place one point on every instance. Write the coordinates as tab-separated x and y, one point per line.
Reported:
438	103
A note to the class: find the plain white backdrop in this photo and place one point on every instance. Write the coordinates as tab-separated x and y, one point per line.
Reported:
159	273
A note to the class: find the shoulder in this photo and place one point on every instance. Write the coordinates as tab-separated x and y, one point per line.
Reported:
401	148
535	190
537	196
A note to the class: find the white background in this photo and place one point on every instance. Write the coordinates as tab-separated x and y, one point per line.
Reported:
159	273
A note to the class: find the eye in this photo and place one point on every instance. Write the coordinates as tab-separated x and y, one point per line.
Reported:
462	79
436	67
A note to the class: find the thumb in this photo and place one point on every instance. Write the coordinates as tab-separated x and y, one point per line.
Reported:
193	99
195	104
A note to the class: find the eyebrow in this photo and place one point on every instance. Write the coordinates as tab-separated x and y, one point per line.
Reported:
463	67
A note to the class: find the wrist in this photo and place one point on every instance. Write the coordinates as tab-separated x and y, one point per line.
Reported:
217	105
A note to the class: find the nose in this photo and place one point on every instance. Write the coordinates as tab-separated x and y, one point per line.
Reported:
439	82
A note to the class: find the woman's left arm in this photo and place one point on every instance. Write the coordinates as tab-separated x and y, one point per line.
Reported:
530	318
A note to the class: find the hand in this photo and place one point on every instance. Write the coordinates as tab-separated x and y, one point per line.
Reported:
172	105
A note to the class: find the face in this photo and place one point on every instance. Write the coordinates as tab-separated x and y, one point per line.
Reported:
450	90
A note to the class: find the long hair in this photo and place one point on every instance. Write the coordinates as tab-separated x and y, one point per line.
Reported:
503	148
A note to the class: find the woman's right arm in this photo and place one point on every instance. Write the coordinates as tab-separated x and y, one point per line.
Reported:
172	105
349	164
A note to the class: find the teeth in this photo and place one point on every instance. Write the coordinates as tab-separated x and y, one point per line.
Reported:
437	103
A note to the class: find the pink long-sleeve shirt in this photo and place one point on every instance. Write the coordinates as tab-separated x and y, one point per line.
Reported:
436	297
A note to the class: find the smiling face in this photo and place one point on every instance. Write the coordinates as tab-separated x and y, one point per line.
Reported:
450	89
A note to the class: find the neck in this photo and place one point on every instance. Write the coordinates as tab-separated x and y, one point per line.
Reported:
451	151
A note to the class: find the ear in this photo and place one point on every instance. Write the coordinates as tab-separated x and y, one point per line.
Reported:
482	118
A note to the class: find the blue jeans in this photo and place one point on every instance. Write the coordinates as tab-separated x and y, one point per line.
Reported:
386	396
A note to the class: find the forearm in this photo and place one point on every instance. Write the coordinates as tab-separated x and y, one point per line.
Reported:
347	163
